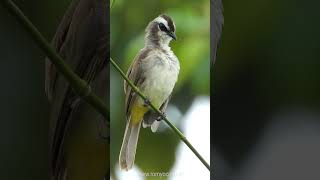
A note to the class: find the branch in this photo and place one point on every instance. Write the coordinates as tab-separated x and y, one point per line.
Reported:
174	129
80	86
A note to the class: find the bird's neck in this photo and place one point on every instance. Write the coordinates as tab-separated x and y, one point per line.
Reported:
158	43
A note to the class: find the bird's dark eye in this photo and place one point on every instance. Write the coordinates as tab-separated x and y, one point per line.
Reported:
162	27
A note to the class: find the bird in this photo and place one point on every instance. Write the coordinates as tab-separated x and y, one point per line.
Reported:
154	71
78	149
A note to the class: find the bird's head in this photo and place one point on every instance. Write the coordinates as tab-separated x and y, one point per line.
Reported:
160	31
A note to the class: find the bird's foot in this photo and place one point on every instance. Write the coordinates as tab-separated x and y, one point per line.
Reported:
162	116
147	102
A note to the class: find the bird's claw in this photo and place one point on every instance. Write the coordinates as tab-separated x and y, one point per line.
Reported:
147	102
162	116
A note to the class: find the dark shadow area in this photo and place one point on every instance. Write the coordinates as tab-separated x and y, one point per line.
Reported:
265	95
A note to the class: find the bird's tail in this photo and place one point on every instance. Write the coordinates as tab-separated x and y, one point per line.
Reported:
129	145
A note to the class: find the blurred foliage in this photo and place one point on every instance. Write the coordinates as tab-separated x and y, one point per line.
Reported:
268	61
23	106
24	129
156	152
276	41
192	47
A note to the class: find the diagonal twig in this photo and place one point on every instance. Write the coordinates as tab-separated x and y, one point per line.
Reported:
80	86
174	129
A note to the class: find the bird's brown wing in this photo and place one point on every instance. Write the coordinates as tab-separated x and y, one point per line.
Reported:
57	42
81	40
163	107
136	76
216	26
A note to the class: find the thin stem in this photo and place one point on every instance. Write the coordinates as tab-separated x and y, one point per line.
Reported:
80	86
176	130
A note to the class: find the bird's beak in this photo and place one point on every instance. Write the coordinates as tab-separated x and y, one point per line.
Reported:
173	35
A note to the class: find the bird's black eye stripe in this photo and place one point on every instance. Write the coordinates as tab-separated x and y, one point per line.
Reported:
162	27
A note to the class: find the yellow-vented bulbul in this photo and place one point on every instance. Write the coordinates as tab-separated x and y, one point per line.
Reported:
154	71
